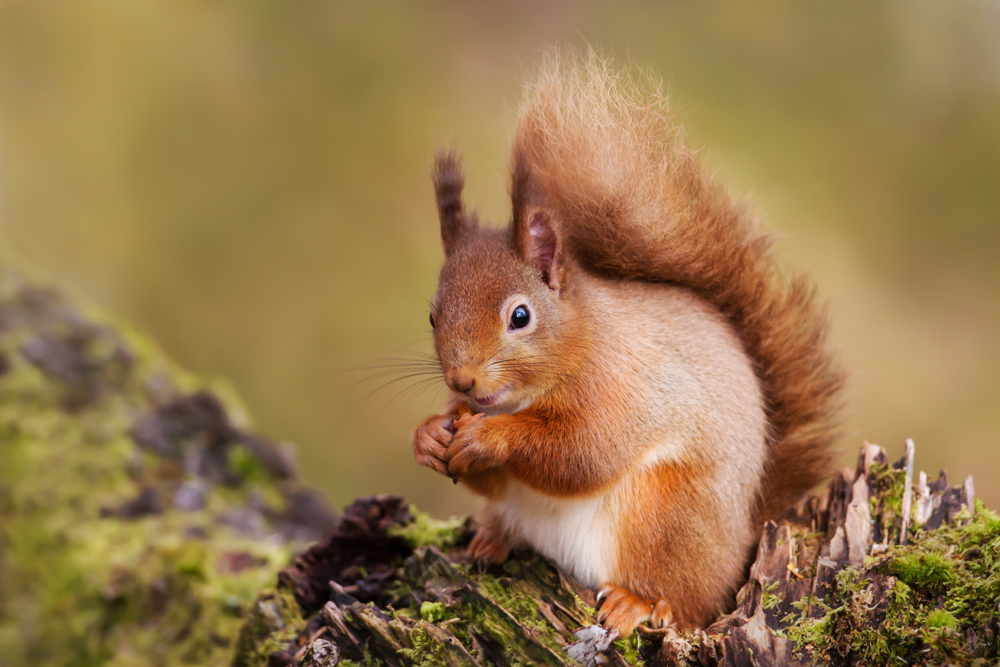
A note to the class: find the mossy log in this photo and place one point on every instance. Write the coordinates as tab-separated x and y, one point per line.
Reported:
831	584
142	523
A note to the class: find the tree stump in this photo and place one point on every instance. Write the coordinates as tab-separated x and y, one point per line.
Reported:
831	583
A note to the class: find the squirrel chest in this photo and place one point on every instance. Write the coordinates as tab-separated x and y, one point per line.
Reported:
685	393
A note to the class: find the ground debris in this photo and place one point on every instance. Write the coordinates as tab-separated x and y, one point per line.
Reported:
321	653
591	643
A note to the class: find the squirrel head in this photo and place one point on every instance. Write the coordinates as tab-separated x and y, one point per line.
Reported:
501	308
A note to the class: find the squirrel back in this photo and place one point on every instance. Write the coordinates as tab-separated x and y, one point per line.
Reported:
635	203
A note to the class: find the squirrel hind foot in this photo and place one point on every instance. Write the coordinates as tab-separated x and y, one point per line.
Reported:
661	616
621	610
488	547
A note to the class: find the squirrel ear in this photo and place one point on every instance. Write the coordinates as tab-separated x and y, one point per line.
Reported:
448	184
535	232
541	247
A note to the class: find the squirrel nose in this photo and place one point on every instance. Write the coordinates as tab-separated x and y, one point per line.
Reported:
462	382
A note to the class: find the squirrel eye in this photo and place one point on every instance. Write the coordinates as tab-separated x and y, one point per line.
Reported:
520	318
432	320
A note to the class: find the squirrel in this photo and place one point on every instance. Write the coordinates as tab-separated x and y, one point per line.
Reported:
635	385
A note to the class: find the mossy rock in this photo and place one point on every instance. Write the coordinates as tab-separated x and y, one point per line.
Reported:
138	522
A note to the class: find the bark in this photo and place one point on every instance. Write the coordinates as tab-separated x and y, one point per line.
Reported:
141	522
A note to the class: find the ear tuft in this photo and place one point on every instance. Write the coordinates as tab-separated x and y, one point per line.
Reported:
448	184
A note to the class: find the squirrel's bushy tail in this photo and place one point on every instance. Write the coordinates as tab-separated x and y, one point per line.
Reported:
634	202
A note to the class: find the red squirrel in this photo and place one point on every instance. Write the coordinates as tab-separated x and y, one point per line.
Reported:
635	385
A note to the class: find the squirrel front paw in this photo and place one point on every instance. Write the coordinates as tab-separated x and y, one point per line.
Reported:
430	441
468	451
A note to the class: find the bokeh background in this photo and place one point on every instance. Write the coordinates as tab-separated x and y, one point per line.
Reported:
248	182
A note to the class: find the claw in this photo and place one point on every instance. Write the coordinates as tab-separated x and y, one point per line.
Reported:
661	616
621	610
489	546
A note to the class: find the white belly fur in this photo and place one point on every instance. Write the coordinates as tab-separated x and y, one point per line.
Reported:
577	533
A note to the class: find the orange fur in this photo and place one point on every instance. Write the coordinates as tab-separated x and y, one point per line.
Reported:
649	386
705	587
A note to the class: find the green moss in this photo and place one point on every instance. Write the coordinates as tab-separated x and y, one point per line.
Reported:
941	618
425	650
425	531
886	500
770	599
631	648
507	629
434	612
921	570
274	620
368	661
589	612
810	636
849	628
85	590
954	566
245	466
521	605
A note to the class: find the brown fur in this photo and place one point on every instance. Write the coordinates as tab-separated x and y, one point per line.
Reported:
671	389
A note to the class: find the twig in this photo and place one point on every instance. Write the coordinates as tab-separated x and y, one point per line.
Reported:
907	492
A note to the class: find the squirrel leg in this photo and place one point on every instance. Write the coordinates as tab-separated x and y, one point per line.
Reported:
490	546
622	610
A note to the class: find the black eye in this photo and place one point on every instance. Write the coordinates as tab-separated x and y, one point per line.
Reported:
432	320
520	317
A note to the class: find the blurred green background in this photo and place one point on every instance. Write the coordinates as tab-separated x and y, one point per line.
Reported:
248	182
